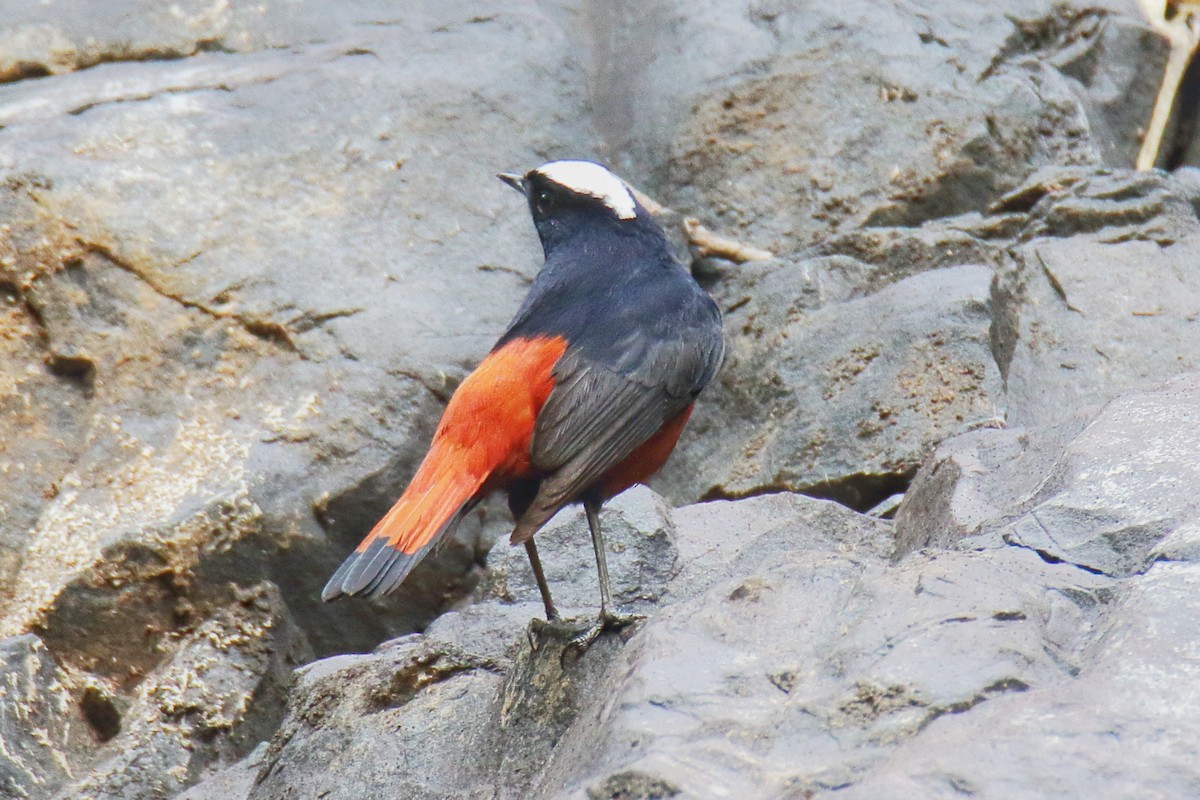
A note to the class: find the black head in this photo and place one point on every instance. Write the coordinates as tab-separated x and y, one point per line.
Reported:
568	198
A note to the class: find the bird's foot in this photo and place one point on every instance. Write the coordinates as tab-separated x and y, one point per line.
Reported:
568	634
606	621
540	629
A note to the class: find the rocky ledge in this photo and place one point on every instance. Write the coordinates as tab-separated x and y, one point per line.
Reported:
792	648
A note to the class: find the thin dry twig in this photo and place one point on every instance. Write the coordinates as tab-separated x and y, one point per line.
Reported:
709	244
704	242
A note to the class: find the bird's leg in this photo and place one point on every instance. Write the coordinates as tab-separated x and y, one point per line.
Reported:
536	626
540	577
608	619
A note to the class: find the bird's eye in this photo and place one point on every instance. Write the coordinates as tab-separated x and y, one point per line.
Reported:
543	203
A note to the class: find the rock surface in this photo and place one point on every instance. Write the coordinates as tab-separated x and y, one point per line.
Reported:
217	697
40	724
247	251
867	385
485	711
1076	285
790	653
1110	499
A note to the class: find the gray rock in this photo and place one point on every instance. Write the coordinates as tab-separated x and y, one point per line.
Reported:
799	675
248	250
788	657
1124	726
280	396
68	734
41	724
1121	486
70	35
1103	298
844	400
831	116
231	783
641	555
882	133
1181	544
478	712
349	735
486	705
721	540
1110	497
1073	316
1187	184
46	401
1112	60
201	394
971	481
220	694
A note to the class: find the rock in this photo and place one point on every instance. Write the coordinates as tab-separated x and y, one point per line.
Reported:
220	694
326	413
250	373
799	675
893	155
834	116
194	293
41	725
1121	486
1076	322
69	734
639	534
1063	323
845	400
972	480
49	408
349	709
473	710
1112	731
231	783
790	655
1111	59
1186	182
482	709
1181	544
721	540
78	35
344	710
1105	497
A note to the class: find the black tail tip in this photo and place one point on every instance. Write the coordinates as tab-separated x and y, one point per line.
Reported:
334	587
374	572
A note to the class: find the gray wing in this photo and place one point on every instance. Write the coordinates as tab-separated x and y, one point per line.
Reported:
597	415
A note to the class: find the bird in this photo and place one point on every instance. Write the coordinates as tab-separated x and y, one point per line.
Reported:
584	395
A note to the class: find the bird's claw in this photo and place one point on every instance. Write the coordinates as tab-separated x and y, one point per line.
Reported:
575	641
606	621
539	627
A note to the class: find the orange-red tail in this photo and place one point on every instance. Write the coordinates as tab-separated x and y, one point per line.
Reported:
430	509
482	439
442	485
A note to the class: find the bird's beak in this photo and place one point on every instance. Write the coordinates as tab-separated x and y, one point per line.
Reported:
515	181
